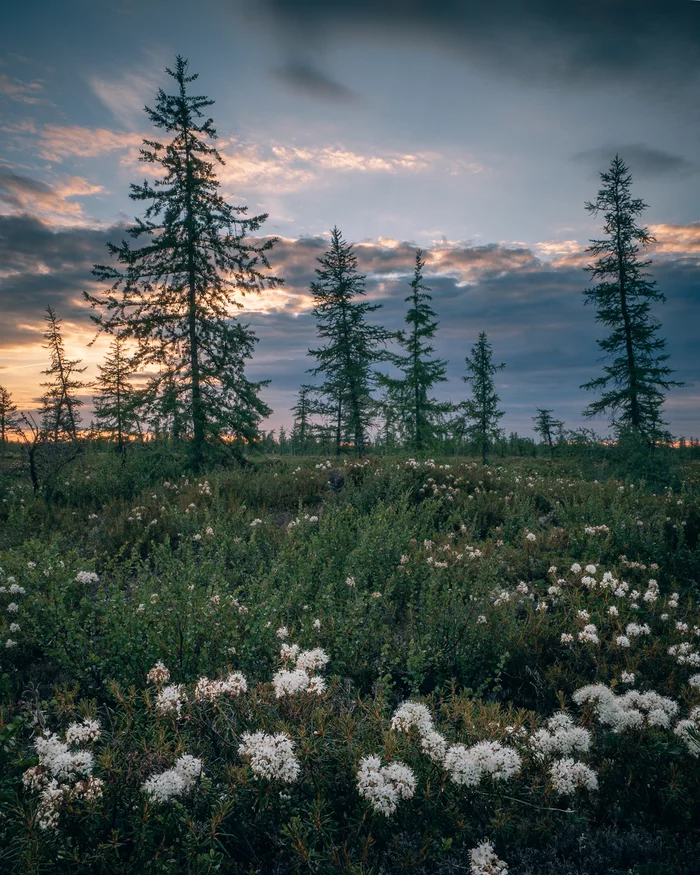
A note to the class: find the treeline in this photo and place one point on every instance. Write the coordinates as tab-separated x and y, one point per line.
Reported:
176	364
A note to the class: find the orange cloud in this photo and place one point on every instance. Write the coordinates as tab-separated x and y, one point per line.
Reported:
677	240
57	142
24	92
23	195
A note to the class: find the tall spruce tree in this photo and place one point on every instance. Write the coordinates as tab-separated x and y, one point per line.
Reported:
415	412
352	346
60	403
634	383
546	426
480	414
115	403
9	418
175	294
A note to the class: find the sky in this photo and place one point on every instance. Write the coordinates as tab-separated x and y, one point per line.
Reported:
476	131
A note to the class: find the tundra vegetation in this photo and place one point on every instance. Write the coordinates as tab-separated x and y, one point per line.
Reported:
392	640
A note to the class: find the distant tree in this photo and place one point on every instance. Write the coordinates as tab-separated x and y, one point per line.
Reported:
115	403
60	415
480	414
546	426
352	346
176	293
303	410
634	383
415	412
9	418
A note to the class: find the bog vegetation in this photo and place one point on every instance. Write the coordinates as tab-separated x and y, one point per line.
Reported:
381	665
394	640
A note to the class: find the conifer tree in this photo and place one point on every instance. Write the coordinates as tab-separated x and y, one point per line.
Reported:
634	383
352	346
480	413
9	418
303	410
60	416
415	413
174	295
546	426
115	403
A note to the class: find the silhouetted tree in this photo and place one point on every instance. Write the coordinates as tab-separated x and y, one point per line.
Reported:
176	292
634	382
115	403
303	410
352	345
9	418
546	426
414	412
60	415
480	414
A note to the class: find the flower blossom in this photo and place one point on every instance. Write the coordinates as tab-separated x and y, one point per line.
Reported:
384	786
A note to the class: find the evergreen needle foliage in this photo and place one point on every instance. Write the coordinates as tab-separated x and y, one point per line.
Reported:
115	403
174	295
415	413
60	415
352	346
634	383
480	414
303	410
546	426
9	418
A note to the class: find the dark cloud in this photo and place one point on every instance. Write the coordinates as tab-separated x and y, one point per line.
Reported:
306	78
643	161
38	267
648	43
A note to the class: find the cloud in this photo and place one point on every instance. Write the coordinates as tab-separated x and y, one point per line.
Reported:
21	194
126	96
22	92
57	142
309	80
643	161
281	168
678	241
530	306
652	45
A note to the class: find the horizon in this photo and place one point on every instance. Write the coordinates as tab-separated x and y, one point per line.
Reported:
494	194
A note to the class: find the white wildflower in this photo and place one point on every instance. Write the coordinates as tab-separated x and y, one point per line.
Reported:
483	860
158	675
83	733
412	714
560	736
486	759
176	781
312	660
384	786
270	756
567	775
169	699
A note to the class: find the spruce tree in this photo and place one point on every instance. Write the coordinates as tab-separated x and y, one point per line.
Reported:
9	418
352	346
546	426
303	410
174	295
480	414
415	413
115	403
634	383
60	416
